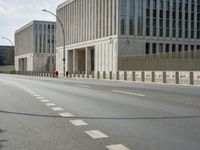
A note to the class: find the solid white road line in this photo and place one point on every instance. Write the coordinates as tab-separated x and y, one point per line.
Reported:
124	92
50	104
57	109
66	114
117	147
95	134
44	101
82	86
78	122
40	97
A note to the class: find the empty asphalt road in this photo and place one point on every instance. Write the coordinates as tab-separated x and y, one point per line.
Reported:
67	114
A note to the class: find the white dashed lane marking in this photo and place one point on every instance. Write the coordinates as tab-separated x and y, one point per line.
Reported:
57	108
40	97
50	104
189	103
36	95
66	114
44	101
117	147
95	134
78	123
129	93
82	86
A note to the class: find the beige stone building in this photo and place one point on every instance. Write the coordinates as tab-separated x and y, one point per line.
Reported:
35	47
106	35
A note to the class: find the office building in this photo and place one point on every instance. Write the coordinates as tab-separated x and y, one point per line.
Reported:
107	35
35	47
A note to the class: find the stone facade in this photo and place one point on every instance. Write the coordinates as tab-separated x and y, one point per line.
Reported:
35	47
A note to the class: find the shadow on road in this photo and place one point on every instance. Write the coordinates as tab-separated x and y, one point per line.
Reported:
105	118
2	141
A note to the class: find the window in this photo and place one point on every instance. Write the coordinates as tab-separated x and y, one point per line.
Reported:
147	48
167	48
148	3
198	47
179	48
140	18
161	48
192	48
154	48
123	16
173	47
186	48
132	14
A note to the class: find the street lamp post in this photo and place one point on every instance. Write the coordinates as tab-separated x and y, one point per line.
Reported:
44	10
8	40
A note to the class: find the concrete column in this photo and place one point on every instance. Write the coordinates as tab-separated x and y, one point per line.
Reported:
75	60
87	60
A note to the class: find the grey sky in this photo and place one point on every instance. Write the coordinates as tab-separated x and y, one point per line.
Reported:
16	13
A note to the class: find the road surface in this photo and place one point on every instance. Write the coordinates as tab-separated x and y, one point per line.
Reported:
66	114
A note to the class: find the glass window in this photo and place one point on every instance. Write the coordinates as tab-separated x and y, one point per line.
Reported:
173	47
132	14
154	48
147	48
123	16
161	48
167	48
140	18
179	48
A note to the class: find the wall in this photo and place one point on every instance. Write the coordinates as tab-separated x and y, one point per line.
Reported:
24	41
29	61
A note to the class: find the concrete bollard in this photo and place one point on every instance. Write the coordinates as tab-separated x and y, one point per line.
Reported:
79	74
104	75
153	76
117	75
133	76
93	74
98	75
88	75
164	77
83	74
191	78
177	78
125	76
143	76
110	75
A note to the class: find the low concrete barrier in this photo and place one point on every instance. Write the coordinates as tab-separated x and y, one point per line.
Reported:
166	77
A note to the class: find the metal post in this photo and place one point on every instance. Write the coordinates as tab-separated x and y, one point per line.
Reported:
177	78
153	76
125	75
63	37
133	76
191	78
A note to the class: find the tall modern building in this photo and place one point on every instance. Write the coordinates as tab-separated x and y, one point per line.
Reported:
35	47
3	50
107	35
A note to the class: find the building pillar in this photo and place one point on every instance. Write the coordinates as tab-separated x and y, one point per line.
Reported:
87	60
75	60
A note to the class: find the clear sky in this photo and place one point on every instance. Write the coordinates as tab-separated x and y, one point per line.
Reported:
16	13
